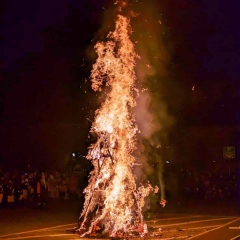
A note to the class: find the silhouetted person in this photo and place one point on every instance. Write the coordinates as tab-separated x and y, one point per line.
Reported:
42	191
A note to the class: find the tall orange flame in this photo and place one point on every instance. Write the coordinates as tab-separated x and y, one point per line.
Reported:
113	203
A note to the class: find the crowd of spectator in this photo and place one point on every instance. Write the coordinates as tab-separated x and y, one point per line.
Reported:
208	185
39	187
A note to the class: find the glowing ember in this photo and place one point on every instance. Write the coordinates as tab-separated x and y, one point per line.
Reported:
113	202
163	202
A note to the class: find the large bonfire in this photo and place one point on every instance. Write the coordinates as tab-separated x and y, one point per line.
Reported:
113	202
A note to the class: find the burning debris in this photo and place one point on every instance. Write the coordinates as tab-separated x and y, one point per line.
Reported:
113	203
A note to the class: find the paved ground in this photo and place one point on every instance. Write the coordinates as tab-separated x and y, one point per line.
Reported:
191	221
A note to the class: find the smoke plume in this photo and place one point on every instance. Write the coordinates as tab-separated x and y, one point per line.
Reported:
153	119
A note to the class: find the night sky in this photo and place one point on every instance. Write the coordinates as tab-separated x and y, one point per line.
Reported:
45	100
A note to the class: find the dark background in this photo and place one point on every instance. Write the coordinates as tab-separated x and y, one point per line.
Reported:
45	100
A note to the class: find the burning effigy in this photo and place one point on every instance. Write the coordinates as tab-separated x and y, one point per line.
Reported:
113	201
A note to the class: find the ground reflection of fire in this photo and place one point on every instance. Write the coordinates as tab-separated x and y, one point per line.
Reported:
113	202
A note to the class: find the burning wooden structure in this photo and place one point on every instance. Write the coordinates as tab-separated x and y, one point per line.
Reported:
113	203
